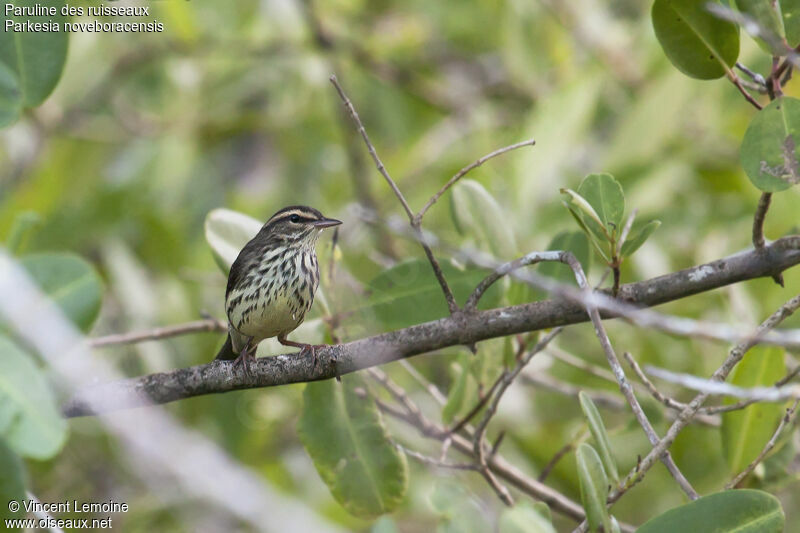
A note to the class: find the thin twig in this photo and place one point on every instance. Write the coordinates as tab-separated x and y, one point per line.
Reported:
787	417
430	461
758	220
736	354
654	392
717	388
198	326
564	450
420	236
624	385
461	173
378	163
747	96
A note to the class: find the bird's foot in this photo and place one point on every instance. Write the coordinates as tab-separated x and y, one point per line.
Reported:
246	358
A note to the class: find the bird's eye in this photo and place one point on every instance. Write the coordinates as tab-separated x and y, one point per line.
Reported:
294	218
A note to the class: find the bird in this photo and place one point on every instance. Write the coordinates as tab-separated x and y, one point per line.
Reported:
272	282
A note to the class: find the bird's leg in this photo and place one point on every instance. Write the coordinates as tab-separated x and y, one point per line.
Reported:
246	357
304	347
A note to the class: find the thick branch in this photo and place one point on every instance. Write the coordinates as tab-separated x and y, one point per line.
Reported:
458	329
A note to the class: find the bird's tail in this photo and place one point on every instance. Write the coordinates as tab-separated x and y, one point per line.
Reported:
226	352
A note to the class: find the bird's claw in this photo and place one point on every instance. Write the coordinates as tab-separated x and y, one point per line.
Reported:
245	359
312	348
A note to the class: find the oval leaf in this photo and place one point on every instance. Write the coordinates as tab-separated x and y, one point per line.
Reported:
409	293
790	11
739	511
477	214
70	281
36	58
227	232
345	437
462	394
699	44
10	96
12	482
598	430
765	13
604	194
638	236
769	148
746	431
594	487
37	430
524	518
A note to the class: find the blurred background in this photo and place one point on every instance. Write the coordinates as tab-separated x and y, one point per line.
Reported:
231	107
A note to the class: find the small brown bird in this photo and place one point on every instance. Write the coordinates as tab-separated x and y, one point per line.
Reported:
272	283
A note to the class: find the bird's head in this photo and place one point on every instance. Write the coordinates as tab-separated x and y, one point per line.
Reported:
297	224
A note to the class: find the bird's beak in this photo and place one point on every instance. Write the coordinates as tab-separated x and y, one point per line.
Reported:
326	223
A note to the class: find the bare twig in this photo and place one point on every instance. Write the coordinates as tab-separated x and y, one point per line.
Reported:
787	417
736	354
437	270
461	173
712	387
624	385
430	461
378	163
564	450
600	397
506	268
198	326
758	220
738	83
654	392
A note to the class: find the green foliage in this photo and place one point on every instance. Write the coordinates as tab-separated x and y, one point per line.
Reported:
226	233
594	487
598	208
346	438
12	482
525	518
698	43
477	215
769	149
739	511
36	60
462	393
70	282
456	509
767	15
746	431
36	428
23	224
600	435
409	293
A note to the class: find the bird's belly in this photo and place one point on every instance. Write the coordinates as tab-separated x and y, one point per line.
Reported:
264	321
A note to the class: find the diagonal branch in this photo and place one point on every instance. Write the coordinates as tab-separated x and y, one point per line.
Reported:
420	237
458	329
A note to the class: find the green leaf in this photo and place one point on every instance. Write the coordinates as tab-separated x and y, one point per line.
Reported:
739	511
409	293
589	218
746	431
594	487
227	232
477	214
37	430
769	147
598	430
12	482
766	13
524	518
604	194
638	236
698	43
790	11
345	437
23	223
36	58
592	236
10	96
463	390
70	281
456	509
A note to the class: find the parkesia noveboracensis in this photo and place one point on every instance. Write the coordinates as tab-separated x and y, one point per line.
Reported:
272	283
